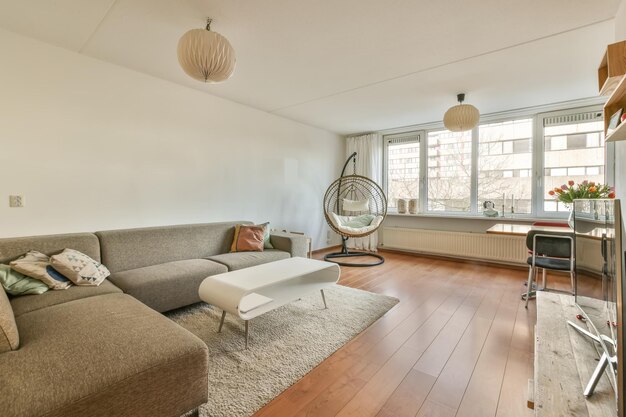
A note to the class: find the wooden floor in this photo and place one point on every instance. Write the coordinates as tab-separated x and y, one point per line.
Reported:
459	343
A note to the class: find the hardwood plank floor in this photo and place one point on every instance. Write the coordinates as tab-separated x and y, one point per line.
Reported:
459	343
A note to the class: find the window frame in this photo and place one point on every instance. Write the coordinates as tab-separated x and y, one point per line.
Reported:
537	115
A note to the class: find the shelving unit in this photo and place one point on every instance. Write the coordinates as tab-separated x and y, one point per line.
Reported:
616	101
612	82
612	68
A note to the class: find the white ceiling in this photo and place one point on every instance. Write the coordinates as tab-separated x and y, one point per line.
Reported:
349	65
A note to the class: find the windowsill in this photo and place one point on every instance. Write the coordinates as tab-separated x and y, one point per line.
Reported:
509	218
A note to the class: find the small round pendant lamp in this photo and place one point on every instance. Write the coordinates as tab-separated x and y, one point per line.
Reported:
206	56
461	117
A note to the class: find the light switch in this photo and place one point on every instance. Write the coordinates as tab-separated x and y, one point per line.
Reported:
16	201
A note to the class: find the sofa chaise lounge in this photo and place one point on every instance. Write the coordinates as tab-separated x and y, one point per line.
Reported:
107	350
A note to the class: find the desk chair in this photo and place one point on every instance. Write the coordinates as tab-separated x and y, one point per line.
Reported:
547	224
550	251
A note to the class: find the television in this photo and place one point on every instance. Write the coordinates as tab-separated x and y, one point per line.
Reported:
600	288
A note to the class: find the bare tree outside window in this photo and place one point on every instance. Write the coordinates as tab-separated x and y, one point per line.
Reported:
505	165
449	171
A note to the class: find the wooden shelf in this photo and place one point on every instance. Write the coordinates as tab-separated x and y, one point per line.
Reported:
612	67
616	101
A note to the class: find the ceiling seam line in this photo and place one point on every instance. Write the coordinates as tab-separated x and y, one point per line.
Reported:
440	65
106	14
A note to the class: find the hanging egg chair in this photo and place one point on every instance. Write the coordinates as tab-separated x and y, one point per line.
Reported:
354	206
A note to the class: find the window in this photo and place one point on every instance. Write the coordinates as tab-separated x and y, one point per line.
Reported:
579	155
402	165
519	158
507	175
449	170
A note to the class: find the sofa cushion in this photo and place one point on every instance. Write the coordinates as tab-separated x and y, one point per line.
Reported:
27	303
13	247
169	285
123	250
9	336
102	356
242	260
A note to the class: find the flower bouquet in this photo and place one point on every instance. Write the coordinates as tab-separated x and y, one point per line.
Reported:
569	192
586	189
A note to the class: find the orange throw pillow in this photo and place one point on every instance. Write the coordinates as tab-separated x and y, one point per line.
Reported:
248	238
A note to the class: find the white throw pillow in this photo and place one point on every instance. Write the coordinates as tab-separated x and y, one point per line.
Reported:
79	268
37	265
356	205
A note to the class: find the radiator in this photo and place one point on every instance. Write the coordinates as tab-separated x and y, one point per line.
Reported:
481	246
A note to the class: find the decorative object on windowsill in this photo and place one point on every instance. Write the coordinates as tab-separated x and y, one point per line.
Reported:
489	209
512	204
413	206
503	204
461	117
206	56
402	206
614	121
571	191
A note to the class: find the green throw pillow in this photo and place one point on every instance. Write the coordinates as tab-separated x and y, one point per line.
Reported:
266	237
361	221
15	283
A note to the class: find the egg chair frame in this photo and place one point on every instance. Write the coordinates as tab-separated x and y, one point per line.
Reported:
359	189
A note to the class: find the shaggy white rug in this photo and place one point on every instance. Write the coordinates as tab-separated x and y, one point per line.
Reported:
285	344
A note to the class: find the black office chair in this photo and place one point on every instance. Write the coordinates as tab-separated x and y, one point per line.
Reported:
551	251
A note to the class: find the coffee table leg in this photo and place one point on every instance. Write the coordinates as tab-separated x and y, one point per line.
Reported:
246	334
324	299
222	321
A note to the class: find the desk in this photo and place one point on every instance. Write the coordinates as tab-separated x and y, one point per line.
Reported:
523	229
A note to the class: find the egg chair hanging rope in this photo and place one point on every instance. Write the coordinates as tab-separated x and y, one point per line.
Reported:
354	207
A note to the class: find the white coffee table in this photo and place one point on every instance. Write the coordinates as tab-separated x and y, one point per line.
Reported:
250	292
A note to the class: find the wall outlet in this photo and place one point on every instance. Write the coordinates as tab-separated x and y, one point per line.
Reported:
16	201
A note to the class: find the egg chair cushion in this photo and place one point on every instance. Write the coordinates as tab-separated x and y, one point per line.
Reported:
356	225
356	205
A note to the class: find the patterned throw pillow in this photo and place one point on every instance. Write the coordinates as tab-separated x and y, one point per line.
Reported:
37	265
248	238
15	283
79	268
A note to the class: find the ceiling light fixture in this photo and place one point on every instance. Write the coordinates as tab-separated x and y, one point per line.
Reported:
461	117
206	56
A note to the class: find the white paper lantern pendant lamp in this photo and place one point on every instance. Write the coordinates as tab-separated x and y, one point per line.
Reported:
461	117
206	56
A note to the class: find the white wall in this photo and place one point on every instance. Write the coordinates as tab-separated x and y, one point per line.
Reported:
94	146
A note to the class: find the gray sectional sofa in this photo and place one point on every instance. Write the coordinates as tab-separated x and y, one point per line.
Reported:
106	350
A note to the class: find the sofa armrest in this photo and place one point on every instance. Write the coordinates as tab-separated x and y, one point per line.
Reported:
296	245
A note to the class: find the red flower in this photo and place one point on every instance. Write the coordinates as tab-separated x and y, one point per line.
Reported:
564	187
611	195
551	192
570	182
592	183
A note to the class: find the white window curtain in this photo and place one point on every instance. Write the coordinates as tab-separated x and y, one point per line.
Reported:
369	163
